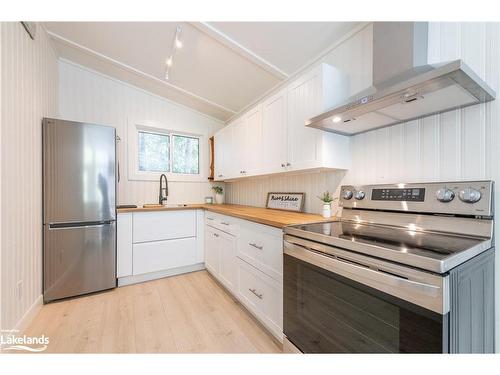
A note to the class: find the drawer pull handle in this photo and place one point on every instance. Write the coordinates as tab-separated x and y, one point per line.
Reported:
224	223
256	246
210	218
216	235
255	292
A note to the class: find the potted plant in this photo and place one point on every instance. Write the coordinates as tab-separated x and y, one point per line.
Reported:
219	194
327	200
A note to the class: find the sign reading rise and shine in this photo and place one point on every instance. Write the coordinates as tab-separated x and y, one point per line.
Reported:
285	201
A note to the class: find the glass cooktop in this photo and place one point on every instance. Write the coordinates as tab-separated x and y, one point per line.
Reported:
393	243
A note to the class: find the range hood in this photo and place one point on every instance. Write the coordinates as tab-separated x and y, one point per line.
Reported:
404	86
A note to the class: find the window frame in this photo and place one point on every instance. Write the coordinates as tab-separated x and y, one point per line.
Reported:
134	174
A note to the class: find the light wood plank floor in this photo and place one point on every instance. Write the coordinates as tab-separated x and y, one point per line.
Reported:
188	313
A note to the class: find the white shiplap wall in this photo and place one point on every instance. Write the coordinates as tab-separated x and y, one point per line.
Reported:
29	93
253	192
88	96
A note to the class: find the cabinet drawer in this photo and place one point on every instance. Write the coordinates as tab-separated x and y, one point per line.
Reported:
261	246
224	223
262	295
163	255
263	249
157	226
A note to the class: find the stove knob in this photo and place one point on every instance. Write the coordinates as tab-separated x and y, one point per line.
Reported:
347	194
359	195
469	195
445	195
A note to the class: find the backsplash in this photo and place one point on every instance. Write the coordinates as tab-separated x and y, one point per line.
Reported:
254	191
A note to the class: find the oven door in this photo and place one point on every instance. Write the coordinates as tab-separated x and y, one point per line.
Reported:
345	303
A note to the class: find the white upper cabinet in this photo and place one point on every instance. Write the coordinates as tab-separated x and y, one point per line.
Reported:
253	141
274	133
313	93
224	158
240	148
272	136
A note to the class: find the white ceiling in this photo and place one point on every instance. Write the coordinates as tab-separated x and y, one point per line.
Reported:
286	45
221	68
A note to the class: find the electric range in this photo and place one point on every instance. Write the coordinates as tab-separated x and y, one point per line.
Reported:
408	268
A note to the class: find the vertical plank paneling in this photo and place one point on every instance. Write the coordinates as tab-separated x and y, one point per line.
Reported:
450	136
411	156
396	144
473	143
29	76
429	148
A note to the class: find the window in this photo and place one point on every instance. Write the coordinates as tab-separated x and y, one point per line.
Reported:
154	152
186	151
166	152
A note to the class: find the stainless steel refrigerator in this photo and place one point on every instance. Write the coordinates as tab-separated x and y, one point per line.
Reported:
79	216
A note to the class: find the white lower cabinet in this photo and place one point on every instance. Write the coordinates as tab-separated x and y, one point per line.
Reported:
247	259
163	255
212	250
124	245
262	295
228	271
156	244
220	256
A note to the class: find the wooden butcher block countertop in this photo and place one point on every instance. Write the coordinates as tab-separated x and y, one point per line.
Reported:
275	218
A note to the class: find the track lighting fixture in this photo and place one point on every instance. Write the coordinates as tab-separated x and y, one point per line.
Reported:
176	44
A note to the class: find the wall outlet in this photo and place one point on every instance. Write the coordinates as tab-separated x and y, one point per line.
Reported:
19	290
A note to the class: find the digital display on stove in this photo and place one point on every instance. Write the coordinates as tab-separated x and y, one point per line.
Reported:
399	195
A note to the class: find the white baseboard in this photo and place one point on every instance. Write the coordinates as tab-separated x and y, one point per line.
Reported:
28	316
128	280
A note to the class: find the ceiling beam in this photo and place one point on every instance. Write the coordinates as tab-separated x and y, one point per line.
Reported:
241	50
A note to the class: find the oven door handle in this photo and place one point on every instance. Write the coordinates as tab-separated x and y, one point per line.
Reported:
429	296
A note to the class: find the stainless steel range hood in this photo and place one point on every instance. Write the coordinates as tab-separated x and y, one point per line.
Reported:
404	86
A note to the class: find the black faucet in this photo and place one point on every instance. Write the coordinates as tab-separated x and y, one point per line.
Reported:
163	190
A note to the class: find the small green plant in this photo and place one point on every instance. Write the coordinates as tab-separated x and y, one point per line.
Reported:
218	189
327	197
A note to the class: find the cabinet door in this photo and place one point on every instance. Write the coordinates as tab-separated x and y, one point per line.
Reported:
274	133
223	151
240	146
212	251
253	141
228	267
304	101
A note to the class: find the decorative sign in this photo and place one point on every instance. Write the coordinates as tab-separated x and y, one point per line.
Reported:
285	201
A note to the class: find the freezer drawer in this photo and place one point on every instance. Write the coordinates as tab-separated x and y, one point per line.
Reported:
78	260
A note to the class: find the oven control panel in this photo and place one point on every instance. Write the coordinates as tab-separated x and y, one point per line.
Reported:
462	197
398	195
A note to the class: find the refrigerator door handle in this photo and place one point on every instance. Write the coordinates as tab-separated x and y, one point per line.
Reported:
59	226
